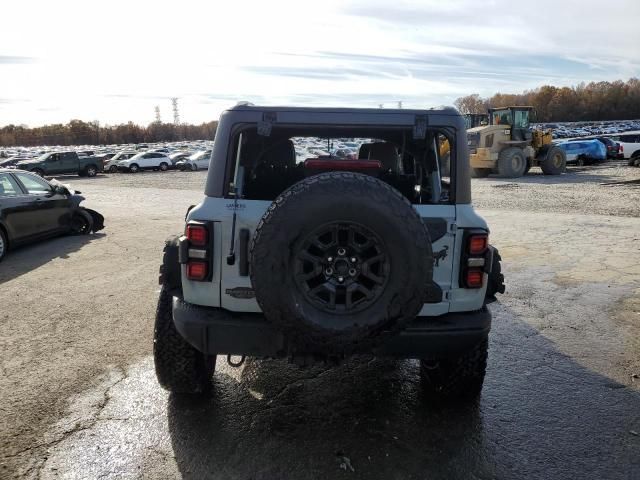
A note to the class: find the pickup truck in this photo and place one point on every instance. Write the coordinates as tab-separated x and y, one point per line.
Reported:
56	163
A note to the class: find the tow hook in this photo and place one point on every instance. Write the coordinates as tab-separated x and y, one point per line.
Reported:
235	364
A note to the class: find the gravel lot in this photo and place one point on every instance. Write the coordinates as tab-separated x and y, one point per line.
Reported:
78	397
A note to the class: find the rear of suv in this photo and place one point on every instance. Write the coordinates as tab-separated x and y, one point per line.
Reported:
315	259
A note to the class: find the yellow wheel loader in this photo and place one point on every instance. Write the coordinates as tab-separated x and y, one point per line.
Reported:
471	120
509	147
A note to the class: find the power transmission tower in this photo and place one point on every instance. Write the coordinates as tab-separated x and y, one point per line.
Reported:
176	113
158	118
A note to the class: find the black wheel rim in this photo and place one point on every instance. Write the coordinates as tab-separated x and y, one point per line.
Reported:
79	224
341	268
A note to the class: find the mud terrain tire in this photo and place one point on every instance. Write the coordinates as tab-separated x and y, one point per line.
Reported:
370	231
495	282
180	368
455	378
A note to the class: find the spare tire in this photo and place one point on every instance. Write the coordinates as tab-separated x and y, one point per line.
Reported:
338	259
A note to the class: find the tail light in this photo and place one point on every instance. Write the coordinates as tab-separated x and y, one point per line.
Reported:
621	148
474	259
195	251
477	244
197	235
197	270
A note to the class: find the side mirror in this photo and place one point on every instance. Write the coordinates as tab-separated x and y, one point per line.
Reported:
60	190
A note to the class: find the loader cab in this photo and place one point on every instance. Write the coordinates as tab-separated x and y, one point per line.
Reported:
516	119
472	120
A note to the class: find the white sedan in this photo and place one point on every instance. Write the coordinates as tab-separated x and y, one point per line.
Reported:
145	161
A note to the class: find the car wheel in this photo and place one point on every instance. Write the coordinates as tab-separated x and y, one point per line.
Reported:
91	171
4	245
194	167
164	167
455	378
113	169
38	172
180	368
355	265
81	223
134	168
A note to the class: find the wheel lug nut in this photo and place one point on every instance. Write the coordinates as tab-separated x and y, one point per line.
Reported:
352	272
354	259
330	259
329	271
341	279
341	251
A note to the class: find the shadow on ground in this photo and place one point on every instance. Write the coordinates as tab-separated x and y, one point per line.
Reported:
541	415
27	258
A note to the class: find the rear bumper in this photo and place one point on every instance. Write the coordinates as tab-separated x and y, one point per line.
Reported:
218	331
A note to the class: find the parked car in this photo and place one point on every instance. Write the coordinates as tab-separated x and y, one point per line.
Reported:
342	263
145	161
612	147
197	161
178	156
12	161
57	163
31	208
584	152
112	165
345	153
629	145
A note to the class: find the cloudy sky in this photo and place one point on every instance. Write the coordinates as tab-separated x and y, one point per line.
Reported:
115	60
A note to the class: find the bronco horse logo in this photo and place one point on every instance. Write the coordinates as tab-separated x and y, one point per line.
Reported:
441	255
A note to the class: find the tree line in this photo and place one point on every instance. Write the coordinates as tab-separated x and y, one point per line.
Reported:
596	101
77	132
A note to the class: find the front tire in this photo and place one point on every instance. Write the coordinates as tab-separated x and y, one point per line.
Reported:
164	167
555	163
4	244
113	169
456	378
511	163
81	223
134	168
180	368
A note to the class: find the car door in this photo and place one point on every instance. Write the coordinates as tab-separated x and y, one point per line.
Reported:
16	208
50	211
68	162
149	160
53	164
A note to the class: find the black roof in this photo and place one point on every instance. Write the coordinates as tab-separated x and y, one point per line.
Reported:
260	108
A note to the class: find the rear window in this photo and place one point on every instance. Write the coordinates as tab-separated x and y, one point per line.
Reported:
260	168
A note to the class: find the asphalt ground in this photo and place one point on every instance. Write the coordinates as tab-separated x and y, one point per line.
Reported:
79	399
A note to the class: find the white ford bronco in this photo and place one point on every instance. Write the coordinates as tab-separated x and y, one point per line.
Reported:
317	258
